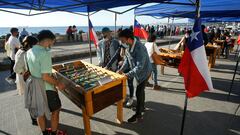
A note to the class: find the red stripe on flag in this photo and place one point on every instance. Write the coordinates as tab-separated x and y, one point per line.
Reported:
93	38
194	82
140	32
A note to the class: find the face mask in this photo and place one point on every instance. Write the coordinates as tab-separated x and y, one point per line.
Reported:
125	45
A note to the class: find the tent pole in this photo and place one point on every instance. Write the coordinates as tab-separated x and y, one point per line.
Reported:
168	26
235	71
115	25
170	38
186	98
184	114
89	40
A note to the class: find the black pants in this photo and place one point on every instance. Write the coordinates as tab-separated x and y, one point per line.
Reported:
130	87
140	94
130	84
226	50
13	74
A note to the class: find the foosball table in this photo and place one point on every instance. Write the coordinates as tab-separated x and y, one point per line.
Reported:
172	58
91	88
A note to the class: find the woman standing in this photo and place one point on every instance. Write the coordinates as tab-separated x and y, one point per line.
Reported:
19	67
151	48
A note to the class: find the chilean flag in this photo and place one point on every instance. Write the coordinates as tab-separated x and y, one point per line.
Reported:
139	31
193	66
93	35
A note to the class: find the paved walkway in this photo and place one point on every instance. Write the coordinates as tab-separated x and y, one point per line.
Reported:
208	114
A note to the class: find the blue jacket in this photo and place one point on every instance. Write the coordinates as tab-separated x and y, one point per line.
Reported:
141	66
101	49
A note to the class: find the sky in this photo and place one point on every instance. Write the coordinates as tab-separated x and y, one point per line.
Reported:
102	18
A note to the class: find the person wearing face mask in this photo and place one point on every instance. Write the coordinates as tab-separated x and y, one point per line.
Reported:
181	45
106	49
138	63
41	95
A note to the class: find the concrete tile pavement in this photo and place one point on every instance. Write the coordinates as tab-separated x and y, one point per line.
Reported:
208	114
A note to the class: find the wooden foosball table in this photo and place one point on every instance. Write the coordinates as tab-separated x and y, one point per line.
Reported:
91	88
211	51
219	43
171	58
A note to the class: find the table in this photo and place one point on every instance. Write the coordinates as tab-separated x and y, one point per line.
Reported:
219	43
171	57
107	89
211	51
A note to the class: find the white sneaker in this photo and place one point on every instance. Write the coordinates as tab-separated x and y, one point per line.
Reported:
129	102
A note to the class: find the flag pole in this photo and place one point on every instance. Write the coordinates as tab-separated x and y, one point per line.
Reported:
235	71
184	114
134	22
186	98
89	40
170	37
115	25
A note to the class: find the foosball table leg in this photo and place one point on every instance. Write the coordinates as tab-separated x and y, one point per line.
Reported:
86	122
162	69
210	61
120	111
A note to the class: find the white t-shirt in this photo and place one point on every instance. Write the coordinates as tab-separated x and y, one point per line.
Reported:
151	47
13	43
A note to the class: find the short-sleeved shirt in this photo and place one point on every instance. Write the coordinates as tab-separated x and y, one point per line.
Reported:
39	61
13	44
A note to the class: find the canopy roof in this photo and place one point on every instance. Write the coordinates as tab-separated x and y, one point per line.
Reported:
70	5
218	19
209	8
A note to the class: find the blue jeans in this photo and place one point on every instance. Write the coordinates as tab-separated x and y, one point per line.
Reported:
154	71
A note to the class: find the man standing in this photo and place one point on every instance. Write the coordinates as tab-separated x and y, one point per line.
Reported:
138	62
14	45
106	49
23	34
40	66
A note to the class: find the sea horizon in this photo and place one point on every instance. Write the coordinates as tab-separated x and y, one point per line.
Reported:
55	29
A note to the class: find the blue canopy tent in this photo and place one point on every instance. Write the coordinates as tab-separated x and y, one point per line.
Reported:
218	19
209	8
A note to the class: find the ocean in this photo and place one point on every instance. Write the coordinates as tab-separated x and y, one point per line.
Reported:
60	30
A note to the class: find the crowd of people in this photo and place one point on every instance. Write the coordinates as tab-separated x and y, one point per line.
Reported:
210	35
72	33
32	70
165	30
31	67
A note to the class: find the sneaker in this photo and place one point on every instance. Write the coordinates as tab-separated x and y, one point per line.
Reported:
148	84
156	87
129	102
135	118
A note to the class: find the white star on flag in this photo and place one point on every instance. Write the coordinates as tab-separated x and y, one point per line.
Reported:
194	35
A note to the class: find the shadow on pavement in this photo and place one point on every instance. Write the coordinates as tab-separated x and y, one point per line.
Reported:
4	133
5	86
166	120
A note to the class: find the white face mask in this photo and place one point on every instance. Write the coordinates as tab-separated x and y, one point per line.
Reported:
125	45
